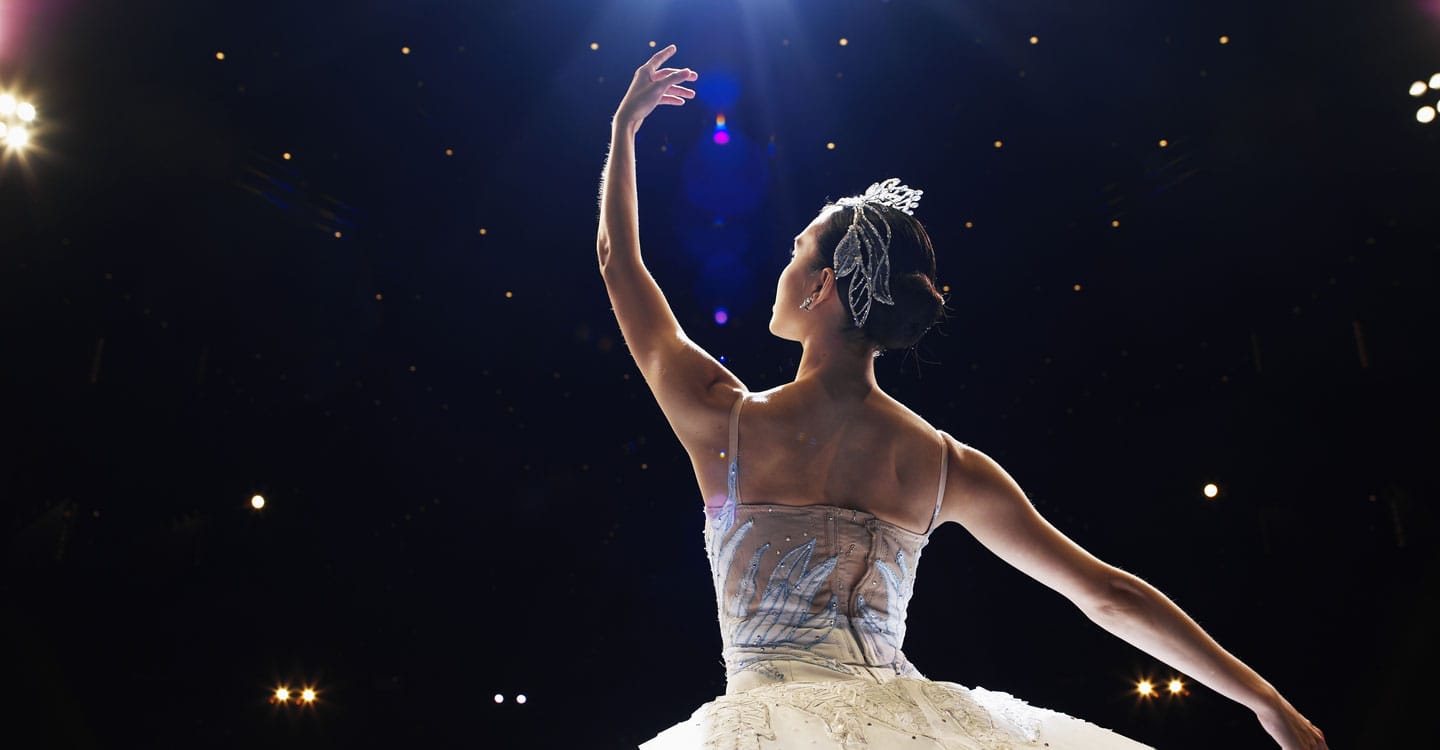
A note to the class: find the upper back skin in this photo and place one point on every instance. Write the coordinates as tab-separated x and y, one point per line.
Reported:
799	447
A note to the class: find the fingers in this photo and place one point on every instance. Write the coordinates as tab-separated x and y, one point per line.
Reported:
671	99
664	73
681	91
660	57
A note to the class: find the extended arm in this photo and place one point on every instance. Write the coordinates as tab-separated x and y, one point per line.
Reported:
988	503
691	387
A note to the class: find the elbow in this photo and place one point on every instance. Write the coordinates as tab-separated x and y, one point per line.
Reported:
1120	593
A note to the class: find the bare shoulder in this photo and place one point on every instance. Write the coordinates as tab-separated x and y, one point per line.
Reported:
982	496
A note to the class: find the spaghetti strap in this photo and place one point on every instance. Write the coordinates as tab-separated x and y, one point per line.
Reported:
732	475
944	467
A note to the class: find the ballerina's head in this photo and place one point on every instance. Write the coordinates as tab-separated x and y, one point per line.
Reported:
811	274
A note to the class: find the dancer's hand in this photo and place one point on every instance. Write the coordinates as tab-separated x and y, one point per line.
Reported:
654	85
1289	728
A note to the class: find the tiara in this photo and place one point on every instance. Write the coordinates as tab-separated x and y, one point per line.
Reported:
865	250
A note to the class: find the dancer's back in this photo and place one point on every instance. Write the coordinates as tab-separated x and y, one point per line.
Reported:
803	446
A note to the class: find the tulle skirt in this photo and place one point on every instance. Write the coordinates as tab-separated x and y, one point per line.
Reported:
813	710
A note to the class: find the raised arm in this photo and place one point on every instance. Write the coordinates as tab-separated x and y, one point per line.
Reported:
693	389
984	499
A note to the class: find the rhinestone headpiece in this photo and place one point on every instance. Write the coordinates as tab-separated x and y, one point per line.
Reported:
865	249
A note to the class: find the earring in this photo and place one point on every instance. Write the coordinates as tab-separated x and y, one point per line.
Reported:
808	301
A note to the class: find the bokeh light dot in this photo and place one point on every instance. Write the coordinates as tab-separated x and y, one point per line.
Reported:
721	316
521	697
449	152
379	297
1176	686
257	502
1224	40
281	694
1115	223
26	112
18	137
1418	88
1425	115
594	45
844	42
1435	82
1164	143
721	137
483	231
652	44
337	235
285	156
1034	40
7	104
830	145
508	295
1211	490
999	144
404	50
499	698
219	55
308	695
1077	287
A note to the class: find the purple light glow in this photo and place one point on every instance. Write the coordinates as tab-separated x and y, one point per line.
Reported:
722	137
721	317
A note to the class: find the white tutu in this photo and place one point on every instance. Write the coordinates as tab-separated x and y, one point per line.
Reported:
856	714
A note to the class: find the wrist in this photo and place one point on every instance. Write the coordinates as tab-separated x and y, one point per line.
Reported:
623	124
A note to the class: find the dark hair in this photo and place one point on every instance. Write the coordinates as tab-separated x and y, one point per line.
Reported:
918	304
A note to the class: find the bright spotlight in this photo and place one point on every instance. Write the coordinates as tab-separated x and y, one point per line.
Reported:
1145	688
282	695
1425	115
1418	88
7	105
19	137
307	695
257	502
520	698
1176	687
499	698
1435	81
1211	490
26	112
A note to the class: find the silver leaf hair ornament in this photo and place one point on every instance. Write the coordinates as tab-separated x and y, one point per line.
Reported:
865	250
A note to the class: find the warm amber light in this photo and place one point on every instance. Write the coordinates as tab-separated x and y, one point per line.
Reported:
449	152
652	44
969	225
998	144
1224	40
257	502
1418	88
844	41
307	695
482	230
1211	490
219	55
1176	686
1034	40
594	45
508	295
404	50
1164	143
281	694
337	235
1145	688
285	156
830	145
1077	287
1426	115
379	297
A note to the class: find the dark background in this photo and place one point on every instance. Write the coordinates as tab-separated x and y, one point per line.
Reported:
471	494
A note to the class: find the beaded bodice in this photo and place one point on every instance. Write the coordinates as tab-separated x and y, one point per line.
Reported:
819	584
